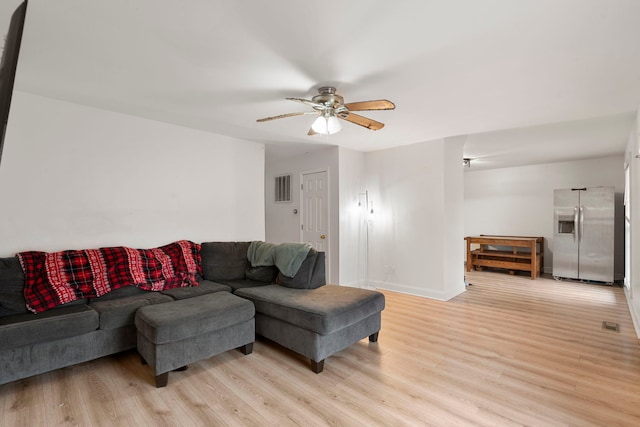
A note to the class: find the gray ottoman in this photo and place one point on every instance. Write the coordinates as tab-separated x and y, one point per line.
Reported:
316	322
174	334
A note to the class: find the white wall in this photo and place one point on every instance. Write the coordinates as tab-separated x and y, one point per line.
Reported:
282	225
454	253
633	293
353	239
79	177
519	200
417	225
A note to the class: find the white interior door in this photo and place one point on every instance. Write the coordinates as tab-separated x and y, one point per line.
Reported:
315	211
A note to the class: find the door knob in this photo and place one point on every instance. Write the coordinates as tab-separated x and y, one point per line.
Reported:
323	237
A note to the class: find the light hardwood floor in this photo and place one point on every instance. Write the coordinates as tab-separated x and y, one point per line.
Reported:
508	351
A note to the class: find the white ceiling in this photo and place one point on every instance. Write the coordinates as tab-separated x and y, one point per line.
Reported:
452	67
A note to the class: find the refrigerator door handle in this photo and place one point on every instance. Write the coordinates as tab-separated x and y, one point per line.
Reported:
581	223
575	222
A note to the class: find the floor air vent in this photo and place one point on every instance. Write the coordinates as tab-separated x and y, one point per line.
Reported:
610	326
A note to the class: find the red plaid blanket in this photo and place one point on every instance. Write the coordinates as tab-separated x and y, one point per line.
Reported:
57	278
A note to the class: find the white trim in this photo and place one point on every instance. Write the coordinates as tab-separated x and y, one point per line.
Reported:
634	317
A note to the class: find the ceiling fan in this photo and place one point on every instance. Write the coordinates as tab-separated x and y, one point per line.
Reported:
329	106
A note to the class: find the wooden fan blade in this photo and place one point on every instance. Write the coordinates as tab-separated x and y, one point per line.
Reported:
379	104
362	121
307	102
282	116
311	132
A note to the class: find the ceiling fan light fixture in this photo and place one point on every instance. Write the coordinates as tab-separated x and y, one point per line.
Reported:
333	125
320	125
326	125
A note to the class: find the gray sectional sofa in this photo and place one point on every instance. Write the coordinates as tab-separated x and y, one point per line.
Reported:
301	313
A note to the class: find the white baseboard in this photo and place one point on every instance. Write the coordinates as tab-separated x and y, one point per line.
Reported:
420	292
358	284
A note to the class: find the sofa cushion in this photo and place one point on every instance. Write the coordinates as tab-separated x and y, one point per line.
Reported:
124	292
115	313
65	321
323	310
204	287
11	287
224	260
245	283
311	274
262	274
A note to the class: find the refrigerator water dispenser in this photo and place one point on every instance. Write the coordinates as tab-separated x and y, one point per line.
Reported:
566	224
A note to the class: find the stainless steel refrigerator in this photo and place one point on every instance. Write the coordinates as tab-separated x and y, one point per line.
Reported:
583	239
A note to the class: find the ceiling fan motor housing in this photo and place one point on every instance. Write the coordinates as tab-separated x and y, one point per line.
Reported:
328	98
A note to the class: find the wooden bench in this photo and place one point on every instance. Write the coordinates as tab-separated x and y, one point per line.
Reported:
525	255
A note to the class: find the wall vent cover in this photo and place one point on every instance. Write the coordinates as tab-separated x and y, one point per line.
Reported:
283	188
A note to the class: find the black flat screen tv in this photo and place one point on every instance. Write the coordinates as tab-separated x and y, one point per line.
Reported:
8	66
